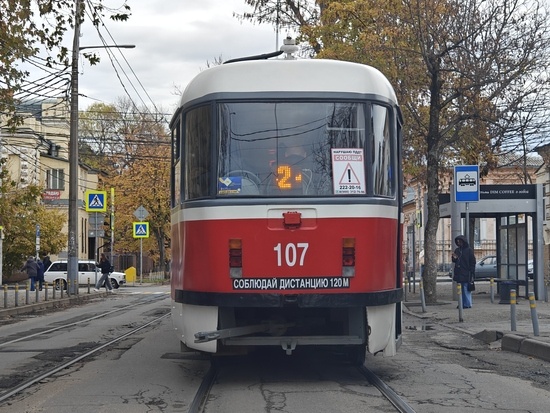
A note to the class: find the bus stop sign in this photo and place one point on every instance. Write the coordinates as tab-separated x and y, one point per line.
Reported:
467	183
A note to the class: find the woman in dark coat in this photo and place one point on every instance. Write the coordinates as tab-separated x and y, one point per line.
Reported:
465	268
40	274
31	269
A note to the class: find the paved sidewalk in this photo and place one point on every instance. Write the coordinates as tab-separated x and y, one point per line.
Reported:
9	306
14	302
489	321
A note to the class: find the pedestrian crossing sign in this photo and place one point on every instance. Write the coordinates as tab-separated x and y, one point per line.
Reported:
96	201
141	229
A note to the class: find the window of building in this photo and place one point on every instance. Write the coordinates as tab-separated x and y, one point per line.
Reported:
55	179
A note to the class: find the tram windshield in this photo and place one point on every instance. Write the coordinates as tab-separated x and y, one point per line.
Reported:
290	149
304	149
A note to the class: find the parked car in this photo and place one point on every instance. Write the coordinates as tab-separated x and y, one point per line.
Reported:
56	274
487	267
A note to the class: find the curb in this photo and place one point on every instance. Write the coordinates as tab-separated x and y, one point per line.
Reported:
527	346
514	343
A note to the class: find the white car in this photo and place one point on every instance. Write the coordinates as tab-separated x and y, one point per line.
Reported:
57	274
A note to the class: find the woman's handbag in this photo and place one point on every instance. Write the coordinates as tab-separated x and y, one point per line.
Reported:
471	284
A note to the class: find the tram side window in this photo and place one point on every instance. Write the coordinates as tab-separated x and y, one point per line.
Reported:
176	164
382	160
197	140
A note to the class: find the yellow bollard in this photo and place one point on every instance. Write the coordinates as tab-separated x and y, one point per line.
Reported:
513	310
27	289
534	317
459	292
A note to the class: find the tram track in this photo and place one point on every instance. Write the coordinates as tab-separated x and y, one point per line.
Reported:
76	323
199	403
39	377
400	404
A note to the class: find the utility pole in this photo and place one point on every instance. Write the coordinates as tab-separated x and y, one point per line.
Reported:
1	253
72	242
112	224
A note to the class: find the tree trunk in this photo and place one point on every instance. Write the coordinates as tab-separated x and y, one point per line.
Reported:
432	179
430	233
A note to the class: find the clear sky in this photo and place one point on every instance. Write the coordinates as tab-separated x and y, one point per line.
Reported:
175	40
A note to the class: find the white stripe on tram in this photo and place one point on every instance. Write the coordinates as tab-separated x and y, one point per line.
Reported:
307	211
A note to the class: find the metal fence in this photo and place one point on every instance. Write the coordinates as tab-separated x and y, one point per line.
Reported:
444	250
19	294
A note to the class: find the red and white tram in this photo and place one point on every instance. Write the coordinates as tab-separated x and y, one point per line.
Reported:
286	207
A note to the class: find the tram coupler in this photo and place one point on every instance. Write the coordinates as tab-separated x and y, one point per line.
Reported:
289	347
275	328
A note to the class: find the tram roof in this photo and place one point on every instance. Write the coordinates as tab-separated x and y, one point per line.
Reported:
279	75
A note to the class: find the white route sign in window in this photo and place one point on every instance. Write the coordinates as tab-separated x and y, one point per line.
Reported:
348	167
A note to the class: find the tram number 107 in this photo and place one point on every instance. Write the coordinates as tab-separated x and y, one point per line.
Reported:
293	253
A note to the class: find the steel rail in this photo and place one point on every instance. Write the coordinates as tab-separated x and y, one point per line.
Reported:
33	380
199	401
78	322
401	405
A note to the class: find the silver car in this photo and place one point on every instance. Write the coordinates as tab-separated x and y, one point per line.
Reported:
487	267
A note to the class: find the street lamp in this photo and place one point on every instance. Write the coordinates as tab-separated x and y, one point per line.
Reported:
72	243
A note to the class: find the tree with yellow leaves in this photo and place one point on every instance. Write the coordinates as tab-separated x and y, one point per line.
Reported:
20	213
131	146
470	76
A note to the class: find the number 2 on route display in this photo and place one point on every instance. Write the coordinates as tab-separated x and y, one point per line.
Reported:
291	253
286	177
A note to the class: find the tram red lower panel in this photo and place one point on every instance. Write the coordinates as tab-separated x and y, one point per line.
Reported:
270	251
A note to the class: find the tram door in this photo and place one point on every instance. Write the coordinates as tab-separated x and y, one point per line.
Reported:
410	258
513	248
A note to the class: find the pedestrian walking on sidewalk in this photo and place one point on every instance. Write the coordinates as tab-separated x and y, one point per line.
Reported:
40	274
47	262
31	269
105	266
465	267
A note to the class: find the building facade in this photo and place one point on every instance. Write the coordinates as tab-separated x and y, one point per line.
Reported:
37	153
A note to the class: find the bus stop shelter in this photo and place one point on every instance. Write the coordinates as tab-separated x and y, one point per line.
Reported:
518	213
